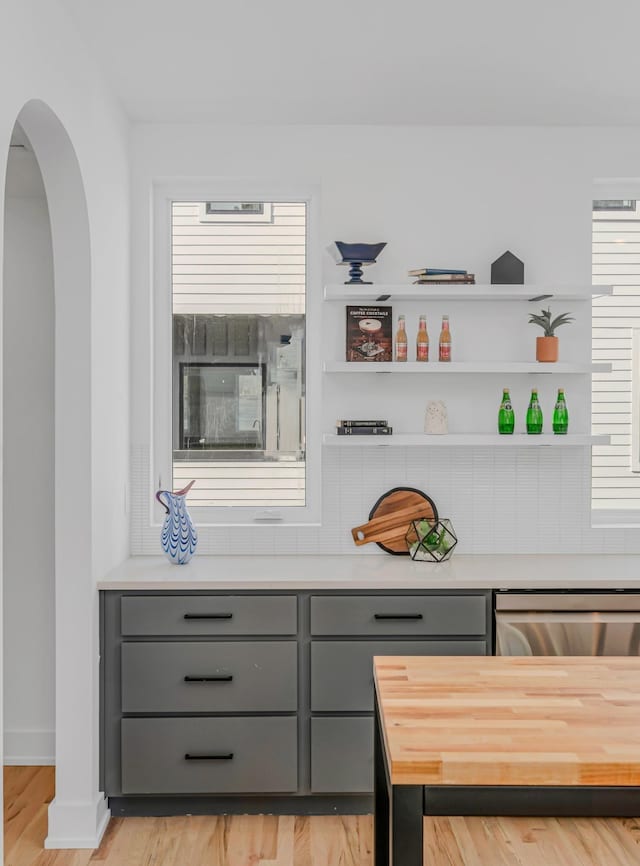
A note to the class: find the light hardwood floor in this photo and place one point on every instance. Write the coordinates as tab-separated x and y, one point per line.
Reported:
317	841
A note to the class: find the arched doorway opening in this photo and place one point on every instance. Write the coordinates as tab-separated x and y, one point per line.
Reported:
78	814
27	483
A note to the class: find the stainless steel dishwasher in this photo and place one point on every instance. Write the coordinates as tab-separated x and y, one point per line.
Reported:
567	624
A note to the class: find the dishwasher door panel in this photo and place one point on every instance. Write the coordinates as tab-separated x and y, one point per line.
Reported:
547	633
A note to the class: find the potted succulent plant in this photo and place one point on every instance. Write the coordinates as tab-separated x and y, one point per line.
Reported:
547	346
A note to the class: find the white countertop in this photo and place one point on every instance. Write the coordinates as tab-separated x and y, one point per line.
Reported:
377	572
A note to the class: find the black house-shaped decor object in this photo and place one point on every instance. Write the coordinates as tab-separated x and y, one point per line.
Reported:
508	270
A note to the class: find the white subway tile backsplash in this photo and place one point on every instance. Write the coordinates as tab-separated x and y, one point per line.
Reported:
534	500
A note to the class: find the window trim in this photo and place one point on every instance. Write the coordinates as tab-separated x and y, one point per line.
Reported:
164	193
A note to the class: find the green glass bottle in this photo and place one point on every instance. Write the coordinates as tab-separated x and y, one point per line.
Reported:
506	415
534	414
560	414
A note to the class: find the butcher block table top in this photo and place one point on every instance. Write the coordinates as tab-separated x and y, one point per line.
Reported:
510	721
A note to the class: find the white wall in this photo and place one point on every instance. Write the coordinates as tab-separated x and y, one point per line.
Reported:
28	468
439	197
42	58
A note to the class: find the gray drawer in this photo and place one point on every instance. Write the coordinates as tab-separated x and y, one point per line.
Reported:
342	671
264	755
256	676
208	615
398	615
342	756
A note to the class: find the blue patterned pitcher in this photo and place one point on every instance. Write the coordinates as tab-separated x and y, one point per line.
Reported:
179	537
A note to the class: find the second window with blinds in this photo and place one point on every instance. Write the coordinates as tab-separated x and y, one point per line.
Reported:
238	313
615	491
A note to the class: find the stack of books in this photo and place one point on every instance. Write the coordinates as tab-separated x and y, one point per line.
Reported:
349	427
441	276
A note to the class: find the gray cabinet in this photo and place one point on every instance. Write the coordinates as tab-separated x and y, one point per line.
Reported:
213	615
342	671
200	756
342	755
258	701
373	615
209	677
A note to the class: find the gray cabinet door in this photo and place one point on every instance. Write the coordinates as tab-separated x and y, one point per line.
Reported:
398	615
342	671
209	677
208	615
209	756
342	755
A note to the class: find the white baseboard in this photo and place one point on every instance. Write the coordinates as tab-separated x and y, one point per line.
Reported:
77	825
29	748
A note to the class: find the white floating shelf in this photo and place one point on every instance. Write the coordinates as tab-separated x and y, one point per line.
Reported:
379	292
498	367
457	440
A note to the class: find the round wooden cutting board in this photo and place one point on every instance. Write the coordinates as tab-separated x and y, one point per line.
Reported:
390	517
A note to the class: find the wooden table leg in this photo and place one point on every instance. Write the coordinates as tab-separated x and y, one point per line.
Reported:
397	824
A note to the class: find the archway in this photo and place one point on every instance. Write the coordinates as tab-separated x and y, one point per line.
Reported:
27	491
78	814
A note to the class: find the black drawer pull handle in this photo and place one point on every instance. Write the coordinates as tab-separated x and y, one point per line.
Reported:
219	678
220	756
208	616
397	616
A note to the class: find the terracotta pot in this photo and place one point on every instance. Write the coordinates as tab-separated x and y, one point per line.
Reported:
546	349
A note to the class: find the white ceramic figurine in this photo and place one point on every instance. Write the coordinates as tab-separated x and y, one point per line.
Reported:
435	419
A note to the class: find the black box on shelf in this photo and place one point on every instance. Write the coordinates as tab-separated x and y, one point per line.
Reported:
364	431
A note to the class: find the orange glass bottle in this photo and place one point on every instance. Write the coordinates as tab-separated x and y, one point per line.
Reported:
445	340
401	341
422	341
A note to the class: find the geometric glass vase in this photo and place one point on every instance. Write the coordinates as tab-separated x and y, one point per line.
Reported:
430	540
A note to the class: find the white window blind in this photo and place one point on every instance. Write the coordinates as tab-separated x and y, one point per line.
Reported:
616	261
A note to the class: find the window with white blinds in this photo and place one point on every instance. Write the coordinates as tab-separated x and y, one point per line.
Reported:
616	326
238	280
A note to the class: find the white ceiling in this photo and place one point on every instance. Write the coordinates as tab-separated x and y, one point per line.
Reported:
572	62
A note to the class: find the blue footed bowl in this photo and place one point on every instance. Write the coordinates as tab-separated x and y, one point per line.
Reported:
359	252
